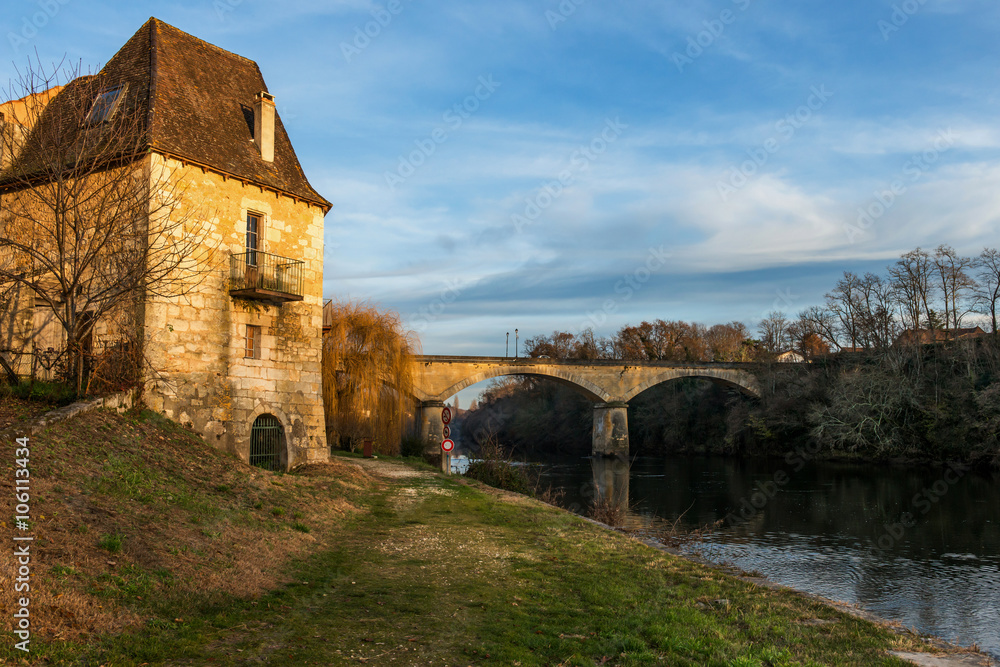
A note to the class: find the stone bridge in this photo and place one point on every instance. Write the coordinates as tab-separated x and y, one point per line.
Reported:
609	384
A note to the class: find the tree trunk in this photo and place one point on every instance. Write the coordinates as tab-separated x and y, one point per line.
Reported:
14	380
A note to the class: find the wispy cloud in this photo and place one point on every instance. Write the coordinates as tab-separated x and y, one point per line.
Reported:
450	223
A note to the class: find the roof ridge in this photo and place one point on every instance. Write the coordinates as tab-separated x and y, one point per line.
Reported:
151	89
159	23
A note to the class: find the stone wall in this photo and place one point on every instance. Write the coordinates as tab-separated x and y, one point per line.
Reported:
196	342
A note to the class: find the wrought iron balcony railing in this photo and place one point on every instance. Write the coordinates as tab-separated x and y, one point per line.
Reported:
265	277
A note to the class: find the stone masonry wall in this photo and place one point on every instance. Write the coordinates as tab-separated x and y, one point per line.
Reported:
197	342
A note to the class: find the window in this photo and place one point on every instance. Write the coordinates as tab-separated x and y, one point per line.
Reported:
252	349
253	237
104	105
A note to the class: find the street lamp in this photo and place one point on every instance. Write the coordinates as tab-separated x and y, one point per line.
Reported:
506	349
515	343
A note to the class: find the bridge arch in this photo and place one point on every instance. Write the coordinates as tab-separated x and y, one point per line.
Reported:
608	384
742	381
564	377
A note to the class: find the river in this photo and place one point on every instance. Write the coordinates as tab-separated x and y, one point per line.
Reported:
919	545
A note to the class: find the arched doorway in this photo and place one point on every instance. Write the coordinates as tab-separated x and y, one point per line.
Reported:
267	443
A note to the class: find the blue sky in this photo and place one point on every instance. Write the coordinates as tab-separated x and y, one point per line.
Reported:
548	165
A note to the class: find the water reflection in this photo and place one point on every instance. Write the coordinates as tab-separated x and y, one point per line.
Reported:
611	482
921	546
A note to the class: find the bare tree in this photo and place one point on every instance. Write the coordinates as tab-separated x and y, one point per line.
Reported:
806	337
911	278
988	292
875	307
843	302
955	283
589	346
821	322
773	331
93	224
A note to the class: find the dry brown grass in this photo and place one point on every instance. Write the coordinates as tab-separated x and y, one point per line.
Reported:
193	519
16	412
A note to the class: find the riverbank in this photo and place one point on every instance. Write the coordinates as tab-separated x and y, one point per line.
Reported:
189	557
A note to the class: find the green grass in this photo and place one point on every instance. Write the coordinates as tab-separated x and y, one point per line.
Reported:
462	577
112	542
54	393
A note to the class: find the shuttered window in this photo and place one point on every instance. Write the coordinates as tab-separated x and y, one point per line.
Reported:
253	238
252	349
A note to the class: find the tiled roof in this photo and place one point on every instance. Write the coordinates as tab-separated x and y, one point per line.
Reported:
939	335
196	101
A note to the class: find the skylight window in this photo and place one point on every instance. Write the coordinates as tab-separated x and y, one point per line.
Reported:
104	105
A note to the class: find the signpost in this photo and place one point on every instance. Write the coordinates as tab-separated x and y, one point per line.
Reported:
447	444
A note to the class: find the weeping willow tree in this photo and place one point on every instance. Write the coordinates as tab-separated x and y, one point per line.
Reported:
367	375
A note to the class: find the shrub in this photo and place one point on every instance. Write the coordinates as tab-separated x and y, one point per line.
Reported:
54	393
411	445
495	468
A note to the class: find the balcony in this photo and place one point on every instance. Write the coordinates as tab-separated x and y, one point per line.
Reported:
265	277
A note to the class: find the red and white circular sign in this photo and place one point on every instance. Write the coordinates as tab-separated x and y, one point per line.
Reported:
447	431
446	415
447	444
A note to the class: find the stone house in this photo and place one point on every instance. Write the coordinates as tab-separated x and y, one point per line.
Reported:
932	336
238	357
790	357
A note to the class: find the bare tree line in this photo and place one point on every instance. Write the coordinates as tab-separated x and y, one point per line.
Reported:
922	291
659	340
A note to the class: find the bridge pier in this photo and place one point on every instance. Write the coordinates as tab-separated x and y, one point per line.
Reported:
431	428
610	436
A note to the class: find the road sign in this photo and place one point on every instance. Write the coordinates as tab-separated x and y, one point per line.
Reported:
447	431
446	415
447	445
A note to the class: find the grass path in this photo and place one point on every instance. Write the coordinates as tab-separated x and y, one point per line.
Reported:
442	573
427	570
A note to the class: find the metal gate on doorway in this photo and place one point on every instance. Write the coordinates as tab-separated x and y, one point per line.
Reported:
267	443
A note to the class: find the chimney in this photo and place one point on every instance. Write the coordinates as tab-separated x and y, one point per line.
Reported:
263	125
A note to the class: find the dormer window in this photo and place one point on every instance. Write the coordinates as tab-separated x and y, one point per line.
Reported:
104	105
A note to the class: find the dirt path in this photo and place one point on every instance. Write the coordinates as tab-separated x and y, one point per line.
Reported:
381	468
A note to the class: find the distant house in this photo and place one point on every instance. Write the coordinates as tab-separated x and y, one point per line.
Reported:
790	357
928	336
